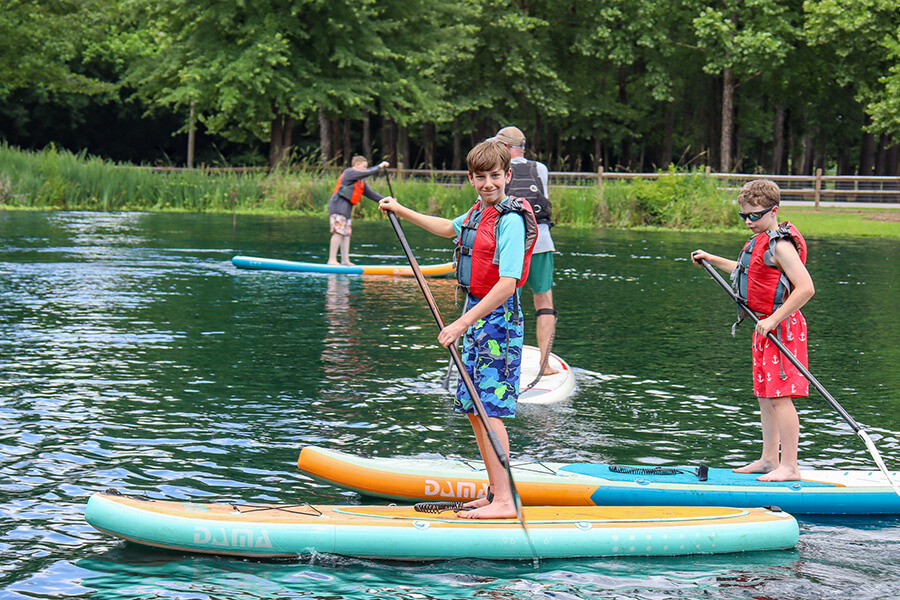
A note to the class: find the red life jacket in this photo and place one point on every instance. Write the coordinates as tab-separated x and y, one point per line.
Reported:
477	255
757	281
359	186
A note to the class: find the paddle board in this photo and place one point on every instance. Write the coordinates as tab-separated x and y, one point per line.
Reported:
549	388
581	484
401	533
272	264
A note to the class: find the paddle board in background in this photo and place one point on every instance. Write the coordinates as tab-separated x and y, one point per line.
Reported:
401	533
272	264
820	492
549	388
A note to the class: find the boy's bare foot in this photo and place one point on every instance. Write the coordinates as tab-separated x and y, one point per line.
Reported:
550	371
477	503
333	262
782	473
347	264
494	510
758	466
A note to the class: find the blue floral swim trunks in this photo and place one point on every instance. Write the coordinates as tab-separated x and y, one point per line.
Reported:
492	355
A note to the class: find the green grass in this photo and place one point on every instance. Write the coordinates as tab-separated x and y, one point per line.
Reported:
830	221
60	180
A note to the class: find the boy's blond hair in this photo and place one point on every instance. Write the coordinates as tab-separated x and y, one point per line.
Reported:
760	192
358	159
487	156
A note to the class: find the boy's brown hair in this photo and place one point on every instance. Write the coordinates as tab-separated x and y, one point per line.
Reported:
358	159
487	156
760	192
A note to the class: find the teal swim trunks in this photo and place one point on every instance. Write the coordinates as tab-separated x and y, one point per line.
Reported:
540	275
493	360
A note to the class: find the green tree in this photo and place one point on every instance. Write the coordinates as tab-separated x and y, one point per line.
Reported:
740	40
859	39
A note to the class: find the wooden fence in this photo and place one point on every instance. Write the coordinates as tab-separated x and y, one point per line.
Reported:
813	188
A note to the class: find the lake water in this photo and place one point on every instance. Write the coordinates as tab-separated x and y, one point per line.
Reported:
133	355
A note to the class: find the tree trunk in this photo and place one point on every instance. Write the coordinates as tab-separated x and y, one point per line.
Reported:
192	133
821	138
881	160
337	143
429	135
809	154
727	121
457	147
324	138
892	168
280	140
389	137
778	138
623	100
403	147
367	136
275	141
668	136
345	142
867	150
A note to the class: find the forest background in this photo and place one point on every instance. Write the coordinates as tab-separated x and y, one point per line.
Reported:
770	86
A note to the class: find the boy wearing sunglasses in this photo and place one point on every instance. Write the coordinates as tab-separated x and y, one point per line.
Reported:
770	275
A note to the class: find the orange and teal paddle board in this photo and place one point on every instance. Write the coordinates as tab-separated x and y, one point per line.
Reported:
819	491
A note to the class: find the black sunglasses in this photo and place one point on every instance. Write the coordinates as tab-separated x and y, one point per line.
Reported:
755	216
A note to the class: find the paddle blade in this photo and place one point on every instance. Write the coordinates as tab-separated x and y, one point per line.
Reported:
877	458
520	513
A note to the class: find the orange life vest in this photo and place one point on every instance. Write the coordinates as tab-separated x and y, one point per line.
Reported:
359	186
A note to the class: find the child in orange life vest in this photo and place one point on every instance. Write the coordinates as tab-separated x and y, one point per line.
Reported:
347	192
496	237
772	278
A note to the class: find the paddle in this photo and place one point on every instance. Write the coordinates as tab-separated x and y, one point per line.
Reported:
815	382
457	359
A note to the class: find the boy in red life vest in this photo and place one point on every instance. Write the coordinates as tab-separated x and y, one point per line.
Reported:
770	275
495	239
348	191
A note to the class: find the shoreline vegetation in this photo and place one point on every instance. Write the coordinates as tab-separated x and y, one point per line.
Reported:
60	180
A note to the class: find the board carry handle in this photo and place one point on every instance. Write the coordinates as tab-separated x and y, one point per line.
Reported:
870	445
457	360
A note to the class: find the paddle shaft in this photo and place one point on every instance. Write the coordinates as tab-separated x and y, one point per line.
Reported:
805	372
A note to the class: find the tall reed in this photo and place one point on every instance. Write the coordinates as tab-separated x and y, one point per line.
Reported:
55	179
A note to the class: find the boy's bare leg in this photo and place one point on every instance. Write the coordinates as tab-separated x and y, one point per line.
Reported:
345	250
502	506
484	446
788	424
333	248
771	440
